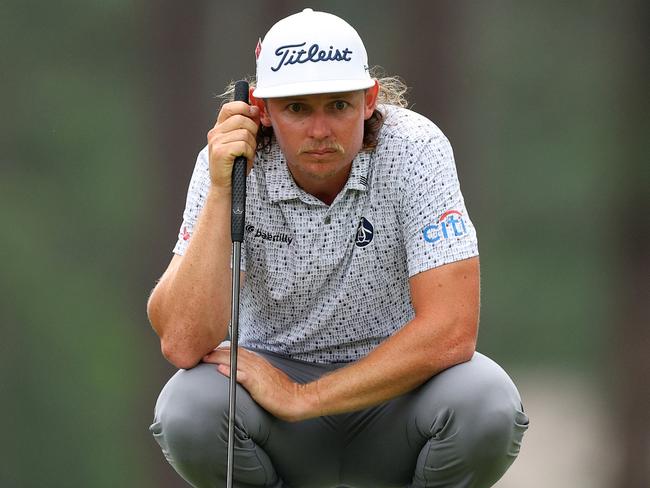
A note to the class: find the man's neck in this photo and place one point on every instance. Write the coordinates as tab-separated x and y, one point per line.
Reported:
325	189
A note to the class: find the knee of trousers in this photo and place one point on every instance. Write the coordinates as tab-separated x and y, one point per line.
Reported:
191	427
191	415
191	411
478	412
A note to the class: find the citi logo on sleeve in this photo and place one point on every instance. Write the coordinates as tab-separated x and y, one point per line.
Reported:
450	224
365	232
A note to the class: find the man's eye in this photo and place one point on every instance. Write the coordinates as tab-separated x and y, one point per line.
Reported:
295	107
340	104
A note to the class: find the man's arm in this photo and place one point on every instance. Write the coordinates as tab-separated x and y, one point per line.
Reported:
442	334
190	306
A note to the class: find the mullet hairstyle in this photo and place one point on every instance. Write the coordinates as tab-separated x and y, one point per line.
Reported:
392	91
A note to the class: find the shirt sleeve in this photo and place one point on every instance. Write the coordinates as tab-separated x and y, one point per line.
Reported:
436	227
196	195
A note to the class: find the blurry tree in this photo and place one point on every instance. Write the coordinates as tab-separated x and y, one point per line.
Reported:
631	219
173	43
173	40
72	195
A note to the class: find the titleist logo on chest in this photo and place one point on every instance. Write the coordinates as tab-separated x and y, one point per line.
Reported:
290	54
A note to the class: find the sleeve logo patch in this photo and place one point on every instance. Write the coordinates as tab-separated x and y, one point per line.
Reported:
186	234
450	224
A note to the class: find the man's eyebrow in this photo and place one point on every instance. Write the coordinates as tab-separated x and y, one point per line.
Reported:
340	95
294	99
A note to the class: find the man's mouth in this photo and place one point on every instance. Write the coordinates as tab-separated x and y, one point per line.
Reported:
320	152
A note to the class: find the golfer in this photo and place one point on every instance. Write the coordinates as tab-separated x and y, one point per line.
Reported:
360	290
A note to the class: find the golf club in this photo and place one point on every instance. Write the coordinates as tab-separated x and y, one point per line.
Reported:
238	217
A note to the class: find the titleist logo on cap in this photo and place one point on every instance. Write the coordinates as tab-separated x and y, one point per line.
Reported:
290	55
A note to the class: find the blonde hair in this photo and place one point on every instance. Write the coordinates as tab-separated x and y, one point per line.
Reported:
392	91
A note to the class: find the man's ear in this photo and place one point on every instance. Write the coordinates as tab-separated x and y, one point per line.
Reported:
259	103
371	100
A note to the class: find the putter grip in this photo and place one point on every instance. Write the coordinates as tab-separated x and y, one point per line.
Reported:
238	207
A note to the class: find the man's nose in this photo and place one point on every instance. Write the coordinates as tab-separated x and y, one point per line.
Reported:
319	126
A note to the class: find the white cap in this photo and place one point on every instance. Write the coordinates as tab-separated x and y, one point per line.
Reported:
311	52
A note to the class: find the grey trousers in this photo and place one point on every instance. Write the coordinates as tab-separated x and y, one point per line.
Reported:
461	429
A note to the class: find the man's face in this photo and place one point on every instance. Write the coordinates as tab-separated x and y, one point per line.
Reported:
320	134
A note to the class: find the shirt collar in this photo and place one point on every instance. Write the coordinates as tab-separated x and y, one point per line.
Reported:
282	187
279	181
359	174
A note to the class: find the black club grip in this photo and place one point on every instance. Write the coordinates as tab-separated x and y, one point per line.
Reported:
238	207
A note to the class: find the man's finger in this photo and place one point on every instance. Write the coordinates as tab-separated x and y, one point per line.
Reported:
225	370
236	135
234	122
218	356
234	108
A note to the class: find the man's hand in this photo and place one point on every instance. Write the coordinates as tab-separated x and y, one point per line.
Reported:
234	134
270	387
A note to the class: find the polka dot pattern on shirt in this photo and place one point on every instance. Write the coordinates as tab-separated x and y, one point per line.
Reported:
329	283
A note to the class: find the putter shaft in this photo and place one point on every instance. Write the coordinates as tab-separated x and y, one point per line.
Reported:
234	340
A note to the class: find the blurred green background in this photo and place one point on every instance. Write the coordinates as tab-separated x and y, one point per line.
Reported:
106	104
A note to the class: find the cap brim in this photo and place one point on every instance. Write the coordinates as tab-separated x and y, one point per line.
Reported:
313	88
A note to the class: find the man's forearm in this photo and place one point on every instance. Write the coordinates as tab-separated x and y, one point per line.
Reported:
398	365
442	334
190	306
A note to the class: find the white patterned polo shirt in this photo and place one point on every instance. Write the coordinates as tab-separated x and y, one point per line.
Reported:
328	283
